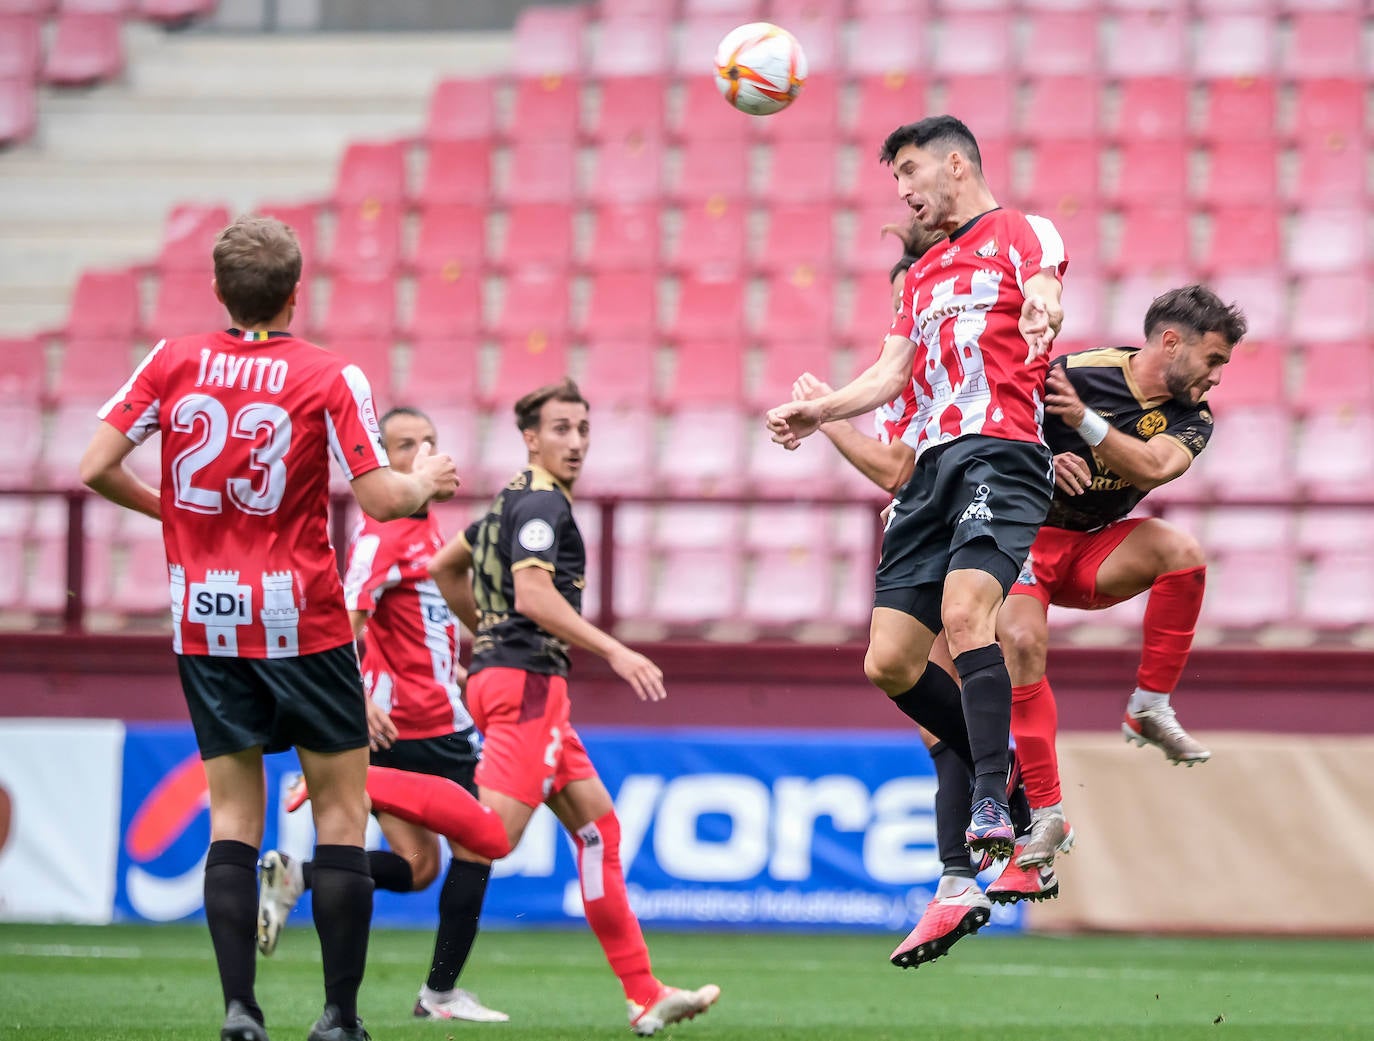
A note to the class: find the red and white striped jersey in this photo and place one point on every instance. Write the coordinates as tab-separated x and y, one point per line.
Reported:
411	644
961	306
248	423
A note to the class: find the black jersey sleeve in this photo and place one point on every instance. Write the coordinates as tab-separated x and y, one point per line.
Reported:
533	527
469	535
1192	429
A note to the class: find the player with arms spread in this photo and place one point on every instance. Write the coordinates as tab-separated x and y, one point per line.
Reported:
249	418
515	579
417	722
971	344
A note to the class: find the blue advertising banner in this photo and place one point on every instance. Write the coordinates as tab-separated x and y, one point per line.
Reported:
721	829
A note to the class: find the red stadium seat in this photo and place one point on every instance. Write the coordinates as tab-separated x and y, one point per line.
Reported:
865	250
1085	310
175	12
31	8
740	10
1336	376
1147	43
451	238
458	173
880	44
1062	108
800	303
1243	44
189	236
713	238
18	110
622	305
548	41
1239	110
788	587
1249	589
367	239
869	318
799	236
802	170
1326	465
787	357
546	107
976	43
1329	110
917	10
21	47
24	421
23	372
185	304
630	106
619	372
986	102
1249	450
1323	44
712	169
360	308
46	591
1339	591
1328	240
709	372
707	307
105	305
371	172
1152	239
143	585
706	115
705	449
629	170
1063	175
1241	237
1241	172
1060	43
771	470
92	370
631	47
372	355
541	171
885	102
697	40
1332	529
523	364
695	525
1151	172
625	237
697	586
1239	528
461	109
1256	375
442	377
629	8
818	27
448	304
818	118
534	309
86	49
622	463
11	578
537	235
1133	296
1079	227
1152	109
1331	308
1332	171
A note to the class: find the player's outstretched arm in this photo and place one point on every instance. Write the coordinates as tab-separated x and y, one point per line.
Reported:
878	384
888	466
538	599
1146	464
387	495
1042	314
451	569
103	471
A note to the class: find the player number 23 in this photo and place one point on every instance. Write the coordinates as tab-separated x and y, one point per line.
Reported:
260	494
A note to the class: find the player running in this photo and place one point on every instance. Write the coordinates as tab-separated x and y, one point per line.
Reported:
417	722
249	418
970	343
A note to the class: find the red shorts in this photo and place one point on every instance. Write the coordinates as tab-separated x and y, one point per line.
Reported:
529	748
1062	566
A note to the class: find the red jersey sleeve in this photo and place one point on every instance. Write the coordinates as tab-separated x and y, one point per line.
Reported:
354	436
905	323
133	410
370	561
1036	246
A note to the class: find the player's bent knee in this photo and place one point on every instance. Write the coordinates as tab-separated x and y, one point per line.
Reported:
891	673
1181	552
1025	646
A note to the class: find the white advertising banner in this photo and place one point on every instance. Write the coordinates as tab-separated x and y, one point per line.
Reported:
59	818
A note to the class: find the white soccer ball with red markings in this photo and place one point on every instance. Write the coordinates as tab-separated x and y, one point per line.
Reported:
760	68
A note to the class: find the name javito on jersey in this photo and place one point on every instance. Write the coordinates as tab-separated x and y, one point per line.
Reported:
530	524
248	424
1103	380
961	306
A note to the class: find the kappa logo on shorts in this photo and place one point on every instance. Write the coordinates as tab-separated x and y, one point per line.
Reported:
978	508
536	535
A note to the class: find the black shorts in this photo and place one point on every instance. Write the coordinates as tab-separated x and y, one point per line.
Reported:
973	488
315	702
449	755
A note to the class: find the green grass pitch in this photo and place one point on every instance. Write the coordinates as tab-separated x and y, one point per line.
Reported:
131	983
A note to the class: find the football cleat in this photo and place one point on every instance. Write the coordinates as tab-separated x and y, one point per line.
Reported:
943	923
328	1028
280	885
671	1006
1017	883
1160	727
455	1004
990	830
241	1025
1050	834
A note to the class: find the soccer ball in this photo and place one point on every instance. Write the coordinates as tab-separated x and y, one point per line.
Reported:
760	68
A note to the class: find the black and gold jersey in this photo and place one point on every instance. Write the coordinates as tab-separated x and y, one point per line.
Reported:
529	524
1103	380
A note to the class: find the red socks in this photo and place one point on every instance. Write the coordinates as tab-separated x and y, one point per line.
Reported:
1034	722
440	805
1170	617
607	907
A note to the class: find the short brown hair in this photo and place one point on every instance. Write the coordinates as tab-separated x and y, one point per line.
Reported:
257	266
1196	308
529	408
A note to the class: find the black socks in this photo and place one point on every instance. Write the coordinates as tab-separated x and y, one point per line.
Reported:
934	702
342	885
460	907
987	714
955	782
231	913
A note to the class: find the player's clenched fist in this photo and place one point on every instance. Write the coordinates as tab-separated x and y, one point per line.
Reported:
791	422
438	469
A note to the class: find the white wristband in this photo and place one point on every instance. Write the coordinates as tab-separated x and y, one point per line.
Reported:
1093	429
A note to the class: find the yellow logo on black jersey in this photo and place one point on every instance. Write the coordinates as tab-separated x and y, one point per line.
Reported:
1151	423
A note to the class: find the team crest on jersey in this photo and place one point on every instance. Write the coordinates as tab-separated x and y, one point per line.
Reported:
947	257
1205	415
1151	423
987	250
